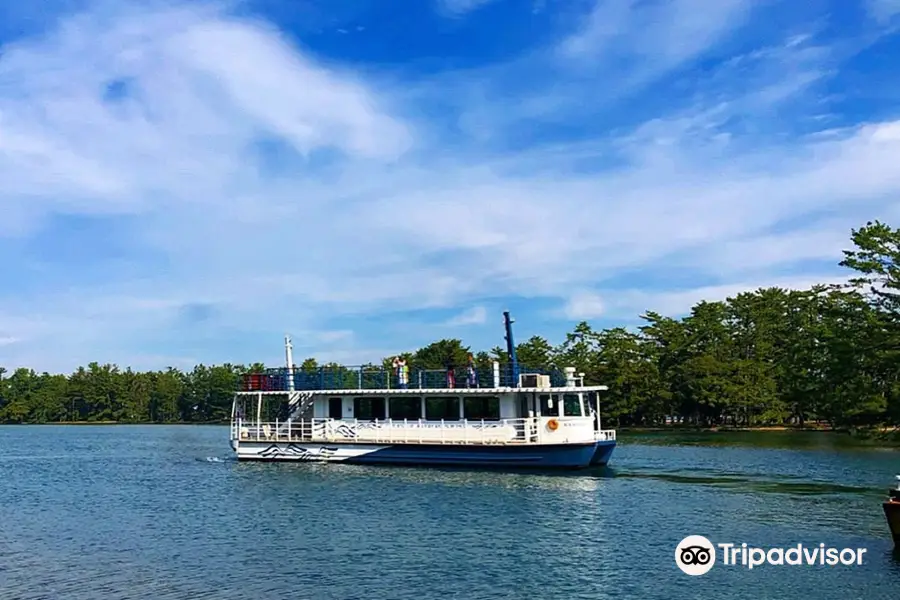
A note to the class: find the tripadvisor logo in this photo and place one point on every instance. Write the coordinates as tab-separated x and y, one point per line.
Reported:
696	555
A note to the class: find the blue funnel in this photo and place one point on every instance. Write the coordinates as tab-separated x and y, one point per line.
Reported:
511	348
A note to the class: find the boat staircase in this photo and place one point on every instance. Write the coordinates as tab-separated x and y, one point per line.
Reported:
298	403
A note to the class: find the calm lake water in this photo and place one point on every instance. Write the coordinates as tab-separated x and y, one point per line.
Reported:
143	512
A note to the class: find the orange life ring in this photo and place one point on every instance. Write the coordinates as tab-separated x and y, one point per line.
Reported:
552	424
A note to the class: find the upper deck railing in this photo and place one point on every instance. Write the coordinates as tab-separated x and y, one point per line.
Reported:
374	377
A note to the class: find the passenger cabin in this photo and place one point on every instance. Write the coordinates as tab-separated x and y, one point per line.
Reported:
445	407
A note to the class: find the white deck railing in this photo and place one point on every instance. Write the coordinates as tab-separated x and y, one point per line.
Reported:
503	431
605	435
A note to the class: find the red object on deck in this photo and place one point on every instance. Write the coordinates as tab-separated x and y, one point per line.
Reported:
252	382
262	382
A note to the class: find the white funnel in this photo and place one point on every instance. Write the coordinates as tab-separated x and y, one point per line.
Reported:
289	358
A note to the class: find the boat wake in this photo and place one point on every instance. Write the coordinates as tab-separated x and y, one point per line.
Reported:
211	459
752	482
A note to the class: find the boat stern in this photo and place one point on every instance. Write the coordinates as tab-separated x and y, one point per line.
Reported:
891	508
603	451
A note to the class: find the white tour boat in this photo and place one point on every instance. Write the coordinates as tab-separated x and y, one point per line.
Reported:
402	416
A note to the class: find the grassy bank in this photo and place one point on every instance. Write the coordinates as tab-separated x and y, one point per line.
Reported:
870	436
685	428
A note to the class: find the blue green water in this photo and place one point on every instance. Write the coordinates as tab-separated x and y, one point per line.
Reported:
142	512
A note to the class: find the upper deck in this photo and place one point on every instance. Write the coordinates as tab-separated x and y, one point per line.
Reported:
335	378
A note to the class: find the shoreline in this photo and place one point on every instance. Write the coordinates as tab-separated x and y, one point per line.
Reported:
888	436
727	428
883	429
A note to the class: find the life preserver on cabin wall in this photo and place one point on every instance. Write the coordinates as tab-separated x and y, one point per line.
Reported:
552	424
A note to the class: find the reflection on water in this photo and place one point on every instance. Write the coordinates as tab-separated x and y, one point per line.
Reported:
788	440
586	480
165	512
783	485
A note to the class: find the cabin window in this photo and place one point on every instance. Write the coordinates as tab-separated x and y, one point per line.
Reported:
442	408
368	409
335	408
405	407
524	405
478	408
549	405
571	405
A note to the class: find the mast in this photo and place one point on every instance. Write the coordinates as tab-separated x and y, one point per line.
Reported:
289	358
511	347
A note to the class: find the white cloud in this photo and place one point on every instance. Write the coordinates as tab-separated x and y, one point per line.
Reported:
357	356
201	90
820	241
365	210
679	303
584	306
884	10
331	337
458	8
476	315
624	47
292	97
654	37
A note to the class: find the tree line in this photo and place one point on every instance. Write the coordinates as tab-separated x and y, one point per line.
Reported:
829	354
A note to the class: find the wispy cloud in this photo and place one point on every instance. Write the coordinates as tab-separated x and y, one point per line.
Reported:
321	338
458	8
584	306
473	316
679	303
180	180
622	48
884	10
651	38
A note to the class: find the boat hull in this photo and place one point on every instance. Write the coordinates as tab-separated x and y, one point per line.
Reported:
892	513
543	456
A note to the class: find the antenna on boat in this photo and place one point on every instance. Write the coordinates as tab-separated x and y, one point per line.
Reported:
511	346
289	358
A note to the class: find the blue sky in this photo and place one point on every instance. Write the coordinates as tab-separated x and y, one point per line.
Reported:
185	182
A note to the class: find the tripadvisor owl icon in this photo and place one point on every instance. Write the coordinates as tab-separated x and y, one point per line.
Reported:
695	555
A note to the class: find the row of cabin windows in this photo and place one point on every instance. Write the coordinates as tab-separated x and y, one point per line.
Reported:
475	408
571	406
551	406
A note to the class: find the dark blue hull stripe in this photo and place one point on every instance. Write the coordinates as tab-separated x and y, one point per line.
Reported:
568	455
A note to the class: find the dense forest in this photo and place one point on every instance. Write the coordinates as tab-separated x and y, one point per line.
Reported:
828	355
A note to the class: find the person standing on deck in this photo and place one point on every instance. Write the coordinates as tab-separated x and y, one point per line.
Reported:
402	372
472	378
451	376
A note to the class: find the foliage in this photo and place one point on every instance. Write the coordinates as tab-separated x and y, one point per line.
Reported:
773	356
